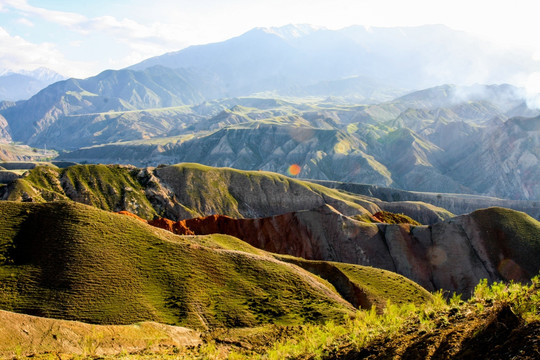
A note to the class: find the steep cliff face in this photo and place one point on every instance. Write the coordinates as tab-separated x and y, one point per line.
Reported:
497	244
4	130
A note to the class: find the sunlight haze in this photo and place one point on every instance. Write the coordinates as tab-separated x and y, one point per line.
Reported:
81	39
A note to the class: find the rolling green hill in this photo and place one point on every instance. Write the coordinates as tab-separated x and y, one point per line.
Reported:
70	261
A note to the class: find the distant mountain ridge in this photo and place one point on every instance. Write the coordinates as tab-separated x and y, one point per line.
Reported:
197	105
23	84
438	157
109	91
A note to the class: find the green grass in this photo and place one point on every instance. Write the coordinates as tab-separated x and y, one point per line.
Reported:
70	261
227	191
397	325
365	286
392	218
516	233
108	187
198	191
432	325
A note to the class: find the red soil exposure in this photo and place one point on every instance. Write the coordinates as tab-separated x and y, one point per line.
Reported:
176	227
264	233
123	212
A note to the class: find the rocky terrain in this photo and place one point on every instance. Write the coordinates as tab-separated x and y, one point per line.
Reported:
386	145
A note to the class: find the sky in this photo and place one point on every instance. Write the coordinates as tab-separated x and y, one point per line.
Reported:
83	38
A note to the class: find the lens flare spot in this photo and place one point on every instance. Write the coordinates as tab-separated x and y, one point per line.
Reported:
510	270
294	170
437	256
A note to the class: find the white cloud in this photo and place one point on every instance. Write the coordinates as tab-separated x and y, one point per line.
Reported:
533	90
143	41
25	22
18	54
132	32
58	17
125	29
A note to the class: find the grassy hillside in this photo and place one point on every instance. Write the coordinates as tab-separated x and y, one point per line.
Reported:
70	261
238	193
192	190
106	187
15	152
365	286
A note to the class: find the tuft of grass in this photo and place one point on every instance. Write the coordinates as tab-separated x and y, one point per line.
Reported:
391	218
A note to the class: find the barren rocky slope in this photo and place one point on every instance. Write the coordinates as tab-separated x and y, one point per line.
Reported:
454	255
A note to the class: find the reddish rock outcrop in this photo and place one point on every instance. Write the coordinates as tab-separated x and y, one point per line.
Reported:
127	213
176	227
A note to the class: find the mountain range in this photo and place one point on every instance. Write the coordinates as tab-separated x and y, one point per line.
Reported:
356	120
21	85
388	144
299	55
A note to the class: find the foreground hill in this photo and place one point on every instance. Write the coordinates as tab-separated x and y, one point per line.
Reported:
70	261
26	335
499	322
